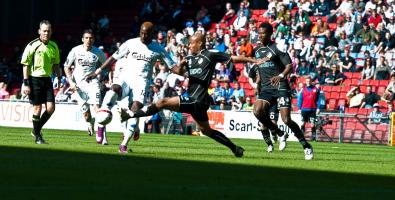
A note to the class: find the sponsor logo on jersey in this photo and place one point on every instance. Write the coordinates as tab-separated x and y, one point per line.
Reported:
200	61
195	71
87	60
138	56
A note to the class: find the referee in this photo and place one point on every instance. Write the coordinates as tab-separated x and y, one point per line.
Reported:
40	59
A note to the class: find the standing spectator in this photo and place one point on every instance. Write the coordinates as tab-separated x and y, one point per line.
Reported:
40	59
355	97
309	105
370	99
376	115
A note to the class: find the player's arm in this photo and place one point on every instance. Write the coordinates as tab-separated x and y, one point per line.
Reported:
180	68
109	62
285	60
243	59
26	61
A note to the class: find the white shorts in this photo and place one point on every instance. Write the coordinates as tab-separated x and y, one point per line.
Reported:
136	91
88	94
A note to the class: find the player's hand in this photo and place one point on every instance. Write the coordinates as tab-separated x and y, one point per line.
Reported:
263	60
183	62
275	80
25	89
73	86
92	75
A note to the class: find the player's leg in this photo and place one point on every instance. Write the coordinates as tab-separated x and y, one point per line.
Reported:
170	103
305	119
112	96
130	128
217	136
286	117
266	137
261	112
312	119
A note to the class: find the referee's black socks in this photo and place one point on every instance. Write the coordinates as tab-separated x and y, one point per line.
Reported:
44	118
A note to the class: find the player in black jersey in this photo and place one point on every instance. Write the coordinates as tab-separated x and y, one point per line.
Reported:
254	80
200	67
274	87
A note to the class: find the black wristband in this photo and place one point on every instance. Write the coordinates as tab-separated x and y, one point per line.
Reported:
26	82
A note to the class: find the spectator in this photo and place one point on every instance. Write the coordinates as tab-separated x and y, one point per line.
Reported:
64	94
176	126
321	98
245	47
228	93
389	112
347	62
374	18
248	105
243	9
238	91
223	74
303	69
240	22
161	39
355	97
323	8
217	92
349	26
4	94
370	98
388	95
235	106
376	115
383	70
200	28
220	45
253	35
335	77
368	70
319	28
203	16
229	16
365	35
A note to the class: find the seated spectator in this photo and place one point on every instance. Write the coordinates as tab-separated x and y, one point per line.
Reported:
376	115
335	77
245	47
248	105
163	72
344	41
220	45
4	94
388	95
240	22
370	98
355	97
253	34
64	94
383	70
303	69
230	14
217	92
323	8
235	106
347	62
238	91
388	113
228	92
367	72
223	74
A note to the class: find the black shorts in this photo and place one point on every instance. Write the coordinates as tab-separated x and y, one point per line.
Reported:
280	97
198	109
309	116
41	90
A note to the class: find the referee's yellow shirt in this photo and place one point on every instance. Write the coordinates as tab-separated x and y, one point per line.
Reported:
40	58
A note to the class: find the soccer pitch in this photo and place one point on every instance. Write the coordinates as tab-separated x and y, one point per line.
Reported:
73	166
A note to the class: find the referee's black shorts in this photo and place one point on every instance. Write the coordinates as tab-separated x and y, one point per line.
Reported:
41	90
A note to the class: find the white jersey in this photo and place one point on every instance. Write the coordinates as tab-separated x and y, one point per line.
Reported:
140	60
84	61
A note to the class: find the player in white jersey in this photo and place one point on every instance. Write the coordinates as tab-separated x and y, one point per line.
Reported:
141	54
86	58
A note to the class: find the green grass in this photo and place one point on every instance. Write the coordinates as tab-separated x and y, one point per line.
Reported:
73	166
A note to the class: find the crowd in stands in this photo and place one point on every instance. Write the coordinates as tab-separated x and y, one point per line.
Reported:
337	43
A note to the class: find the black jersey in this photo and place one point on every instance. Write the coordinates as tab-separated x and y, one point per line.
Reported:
273	67
201	68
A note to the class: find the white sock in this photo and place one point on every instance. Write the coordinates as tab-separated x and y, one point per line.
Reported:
109	99
105	137
129	130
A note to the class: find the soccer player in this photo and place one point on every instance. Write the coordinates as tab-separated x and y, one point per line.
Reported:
40	59
275	87
309	105
141	53
200	68
86	58
255	80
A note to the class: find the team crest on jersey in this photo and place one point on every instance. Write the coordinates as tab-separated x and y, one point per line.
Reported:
200	61
269	55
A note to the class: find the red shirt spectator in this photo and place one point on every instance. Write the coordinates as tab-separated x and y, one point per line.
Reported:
374	18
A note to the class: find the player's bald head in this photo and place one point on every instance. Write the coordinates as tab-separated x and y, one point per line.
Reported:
197	42
147	26
146	32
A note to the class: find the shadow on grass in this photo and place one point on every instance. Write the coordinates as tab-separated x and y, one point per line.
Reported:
47	174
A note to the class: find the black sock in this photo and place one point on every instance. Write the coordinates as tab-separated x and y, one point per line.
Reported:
298	134
44	118
265	120
146	111
221	138
36	125
313	132
266	137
